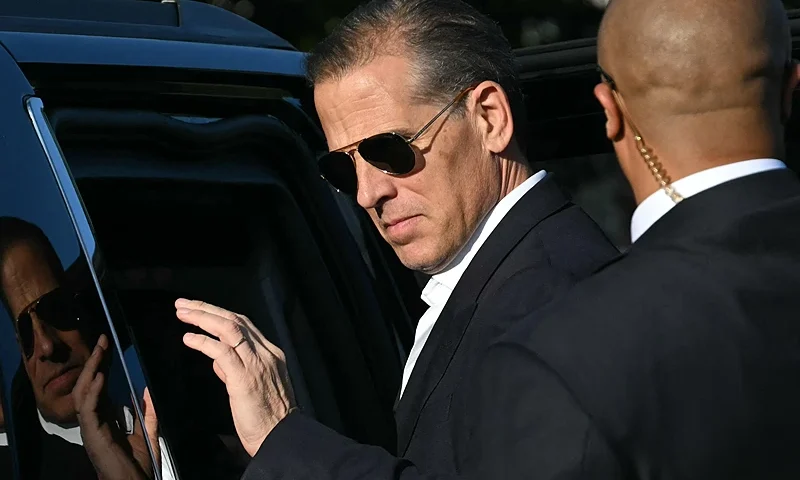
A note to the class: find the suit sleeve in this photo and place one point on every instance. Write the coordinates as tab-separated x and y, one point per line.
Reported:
531	427
300	448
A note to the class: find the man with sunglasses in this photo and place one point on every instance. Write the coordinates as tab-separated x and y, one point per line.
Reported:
82	434
682	359
422	110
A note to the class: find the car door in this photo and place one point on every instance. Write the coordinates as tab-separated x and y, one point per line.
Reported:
53	311
198	180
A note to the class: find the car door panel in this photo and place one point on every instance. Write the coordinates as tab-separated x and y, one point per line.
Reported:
48	256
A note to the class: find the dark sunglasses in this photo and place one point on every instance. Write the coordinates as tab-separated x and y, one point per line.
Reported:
59	308
391	153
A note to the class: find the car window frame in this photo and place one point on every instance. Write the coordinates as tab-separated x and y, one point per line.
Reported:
87	243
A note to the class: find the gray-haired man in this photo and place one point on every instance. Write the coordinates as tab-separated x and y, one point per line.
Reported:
421	108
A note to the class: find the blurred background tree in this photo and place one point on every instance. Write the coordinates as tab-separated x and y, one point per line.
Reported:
526	23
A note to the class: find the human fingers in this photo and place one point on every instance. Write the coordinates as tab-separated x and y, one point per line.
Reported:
220	373
228	330
87	375
151	424
86	410
205	307
226	359
188	311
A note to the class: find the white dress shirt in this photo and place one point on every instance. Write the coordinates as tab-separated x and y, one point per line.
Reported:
3	439
440	286
658	204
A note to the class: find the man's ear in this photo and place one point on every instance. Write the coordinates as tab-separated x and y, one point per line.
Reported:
492	110
793	78
613	114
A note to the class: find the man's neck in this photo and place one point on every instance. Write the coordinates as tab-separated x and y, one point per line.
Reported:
646	185
513	174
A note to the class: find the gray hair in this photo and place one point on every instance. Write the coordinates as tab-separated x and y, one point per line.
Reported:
451	46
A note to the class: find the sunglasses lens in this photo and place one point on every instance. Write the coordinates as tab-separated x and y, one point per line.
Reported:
25	332
338	170
388	152
59	309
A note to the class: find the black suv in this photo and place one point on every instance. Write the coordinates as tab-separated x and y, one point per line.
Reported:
167	150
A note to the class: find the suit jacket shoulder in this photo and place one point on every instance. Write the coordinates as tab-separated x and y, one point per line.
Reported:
537	252
691	339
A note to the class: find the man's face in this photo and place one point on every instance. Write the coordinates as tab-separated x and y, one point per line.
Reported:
428	215
57	356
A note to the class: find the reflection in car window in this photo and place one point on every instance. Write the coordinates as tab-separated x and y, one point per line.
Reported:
6	467
57	319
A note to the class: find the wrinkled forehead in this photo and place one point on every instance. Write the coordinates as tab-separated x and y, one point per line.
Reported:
372	99
25	276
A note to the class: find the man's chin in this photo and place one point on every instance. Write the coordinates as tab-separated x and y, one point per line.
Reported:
63	415
423	262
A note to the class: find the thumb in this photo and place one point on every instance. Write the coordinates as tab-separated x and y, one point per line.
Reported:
151	424
150	420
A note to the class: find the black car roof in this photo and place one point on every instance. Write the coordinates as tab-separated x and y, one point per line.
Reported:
182	20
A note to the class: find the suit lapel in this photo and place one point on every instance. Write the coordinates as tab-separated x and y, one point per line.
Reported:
542	201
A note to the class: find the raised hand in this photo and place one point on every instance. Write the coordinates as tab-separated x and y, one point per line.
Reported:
114	454
253	369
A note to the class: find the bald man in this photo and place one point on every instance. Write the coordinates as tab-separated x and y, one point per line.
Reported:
682	359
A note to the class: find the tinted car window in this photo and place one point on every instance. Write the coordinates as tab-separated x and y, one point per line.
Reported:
230	211
50	320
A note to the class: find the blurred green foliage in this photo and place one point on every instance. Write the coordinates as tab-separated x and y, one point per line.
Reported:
525	22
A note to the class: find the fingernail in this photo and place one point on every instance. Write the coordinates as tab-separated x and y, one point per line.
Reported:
181	301
183	311
188	337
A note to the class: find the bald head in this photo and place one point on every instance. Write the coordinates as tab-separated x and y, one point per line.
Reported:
705	81
695	56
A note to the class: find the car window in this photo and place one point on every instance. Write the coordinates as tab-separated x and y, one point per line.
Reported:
51	316
230	210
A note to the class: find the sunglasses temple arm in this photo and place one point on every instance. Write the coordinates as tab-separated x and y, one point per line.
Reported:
433	120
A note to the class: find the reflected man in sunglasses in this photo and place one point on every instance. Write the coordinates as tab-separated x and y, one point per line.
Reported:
423	113
47	317
57	324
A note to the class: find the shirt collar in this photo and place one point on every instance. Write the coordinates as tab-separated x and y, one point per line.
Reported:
441	285
659	203
73	434
3	439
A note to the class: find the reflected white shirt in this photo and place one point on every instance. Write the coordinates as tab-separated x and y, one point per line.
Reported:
659	203
440	286
73	435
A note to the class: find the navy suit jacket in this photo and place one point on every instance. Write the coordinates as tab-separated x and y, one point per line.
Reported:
679	361
542	247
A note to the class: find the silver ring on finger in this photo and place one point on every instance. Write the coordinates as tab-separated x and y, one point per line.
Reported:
239	343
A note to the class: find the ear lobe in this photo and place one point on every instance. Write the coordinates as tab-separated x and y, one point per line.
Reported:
613	115
495	121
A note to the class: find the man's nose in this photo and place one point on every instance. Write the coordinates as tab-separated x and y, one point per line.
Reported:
374	186
44	338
